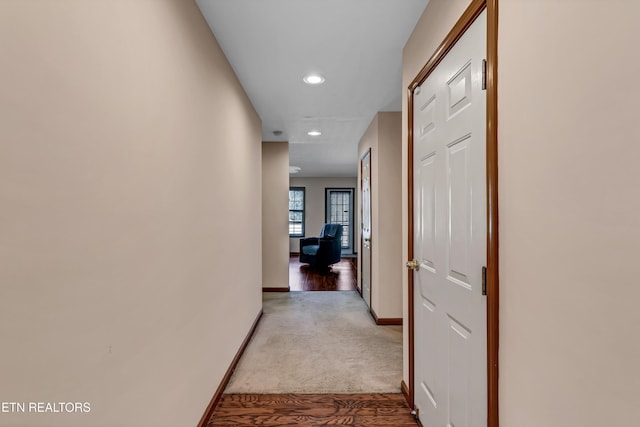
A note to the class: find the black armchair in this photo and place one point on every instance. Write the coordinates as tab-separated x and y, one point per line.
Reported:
323	250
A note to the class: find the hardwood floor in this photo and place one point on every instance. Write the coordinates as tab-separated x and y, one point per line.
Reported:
365	410
340	277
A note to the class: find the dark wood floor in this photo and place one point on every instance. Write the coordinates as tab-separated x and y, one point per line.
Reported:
340	276
312	410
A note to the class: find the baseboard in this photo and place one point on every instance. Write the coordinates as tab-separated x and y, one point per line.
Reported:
390	321
293	254
405	393
386	321
287	289
227	376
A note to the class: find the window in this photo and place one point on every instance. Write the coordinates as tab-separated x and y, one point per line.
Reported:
296	211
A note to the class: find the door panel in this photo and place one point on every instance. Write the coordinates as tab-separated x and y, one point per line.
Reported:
449	167
459	199
459	90
428	225
459	374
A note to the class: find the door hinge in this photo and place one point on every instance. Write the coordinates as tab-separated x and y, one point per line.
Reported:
484	74
484	280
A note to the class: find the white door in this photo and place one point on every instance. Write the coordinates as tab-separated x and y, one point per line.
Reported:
450	237
365	249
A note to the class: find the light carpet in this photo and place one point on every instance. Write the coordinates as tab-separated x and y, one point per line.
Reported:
319	342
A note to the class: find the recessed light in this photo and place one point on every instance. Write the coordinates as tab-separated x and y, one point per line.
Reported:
314	133
313	79
294	169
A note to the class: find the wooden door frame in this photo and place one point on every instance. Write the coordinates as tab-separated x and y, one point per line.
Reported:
470	14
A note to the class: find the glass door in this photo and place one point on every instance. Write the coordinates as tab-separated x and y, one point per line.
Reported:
339	210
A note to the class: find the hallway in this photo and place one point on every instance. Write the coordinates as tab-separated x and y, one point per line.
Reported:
317	358
148	147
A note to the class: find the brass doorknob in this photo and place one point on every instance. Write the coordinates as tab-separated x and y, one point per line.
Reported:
413	265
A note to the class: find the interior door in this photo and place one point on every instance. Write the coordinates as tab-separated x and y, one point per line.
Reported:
339	210
449	165
365	227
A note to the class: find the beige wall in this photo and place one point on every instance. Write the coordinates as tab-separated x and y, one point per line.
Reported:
129	190
275	213
569	213
315	206
383	137
569	228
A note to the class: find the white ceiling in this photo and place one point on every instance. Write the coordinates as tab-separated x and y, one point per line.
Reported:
355	44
